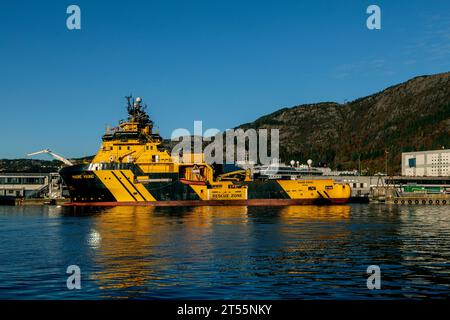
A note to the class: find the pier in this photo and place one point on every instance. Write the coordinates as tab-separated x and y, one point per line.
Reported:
412	191
425	199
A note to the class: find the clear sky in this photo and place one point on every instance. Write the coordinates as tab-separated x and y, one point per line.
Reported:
222	62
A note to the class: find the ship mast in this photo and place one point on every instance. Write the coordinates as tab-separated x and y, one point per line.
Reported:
137	112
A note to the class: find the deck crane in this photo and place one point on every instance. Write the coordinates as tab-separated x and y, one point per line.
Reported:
54	155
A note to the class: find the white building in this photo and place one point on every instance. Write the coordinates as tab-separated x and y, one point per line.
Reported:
434	163
31	185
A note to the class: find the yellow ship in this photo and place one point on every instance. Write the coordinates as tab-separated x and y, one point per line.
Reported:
133	168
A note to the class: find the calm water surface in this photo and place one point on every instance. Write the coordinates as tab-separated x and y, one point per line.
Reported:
225	252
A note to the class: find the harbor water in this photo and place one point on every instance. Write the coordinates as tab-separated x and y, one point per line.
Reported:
297	252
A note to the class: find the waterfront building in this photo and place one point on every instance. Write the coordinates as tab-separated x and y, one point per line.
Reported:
31	185
433	163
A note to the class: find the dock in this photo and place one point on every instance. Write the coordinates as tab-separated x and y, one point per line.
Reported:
420	199
39	202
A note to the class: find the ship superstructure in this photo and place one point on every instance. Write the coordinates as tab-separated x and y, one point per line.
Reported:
132	167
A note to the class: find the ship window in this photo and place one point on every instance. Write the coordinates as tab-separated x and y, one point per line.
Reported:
128	148
311	188
328	187
120	148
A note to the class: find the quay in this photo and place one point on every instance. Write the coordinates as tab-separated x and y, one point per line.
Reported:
424	199
39	202
425	180
413	190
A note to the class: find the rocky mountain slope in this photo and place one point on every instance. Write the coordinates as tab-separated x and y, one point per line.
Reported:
414	115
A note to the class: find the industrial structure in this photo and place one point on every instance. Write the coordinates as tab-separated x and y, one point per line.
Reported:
54	155
433	163
425	180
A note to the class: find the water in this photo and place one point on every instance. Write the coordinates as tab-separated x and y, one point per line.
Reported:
297	252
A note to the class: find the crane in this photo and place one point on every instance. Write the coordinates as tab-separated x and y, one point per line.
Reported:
54	155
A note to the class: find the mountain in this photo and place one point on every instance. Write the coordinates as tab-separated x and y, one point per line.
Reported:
414	115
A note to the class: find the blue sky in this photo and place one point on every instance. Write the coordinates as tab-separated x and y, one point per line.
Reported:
222	62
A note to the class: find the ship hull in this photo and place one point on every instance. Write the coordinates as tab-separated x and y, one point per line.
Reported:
191	203
122	187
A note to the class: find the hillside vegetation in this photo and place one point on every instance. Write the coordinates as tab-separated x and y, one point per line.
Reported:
414	115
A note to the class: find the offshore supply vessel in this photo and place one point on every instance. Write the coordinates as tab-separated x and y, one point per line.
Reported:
132	167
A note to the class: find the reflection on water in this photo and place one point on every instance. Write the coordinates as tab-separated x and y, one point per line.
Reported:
315	213
125	253
137	243
225	252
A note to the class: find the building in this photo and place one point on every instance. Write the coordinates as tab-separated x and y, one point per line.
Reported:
434	163
361	186
31	185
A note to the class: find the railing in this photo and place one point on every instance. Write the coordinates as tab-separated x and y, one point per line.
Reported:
115	166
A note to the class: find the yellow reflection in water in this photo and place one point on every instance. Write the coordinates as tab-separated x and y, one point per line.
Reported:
341	212
311	236
203	216
202	223
133	246
131	240
127	235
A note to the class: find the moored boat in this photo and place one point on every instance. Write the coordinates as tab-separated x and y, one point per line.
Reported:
132	167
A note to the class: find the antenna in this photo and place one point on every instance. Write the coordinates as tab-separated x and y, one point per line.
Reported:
129	105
